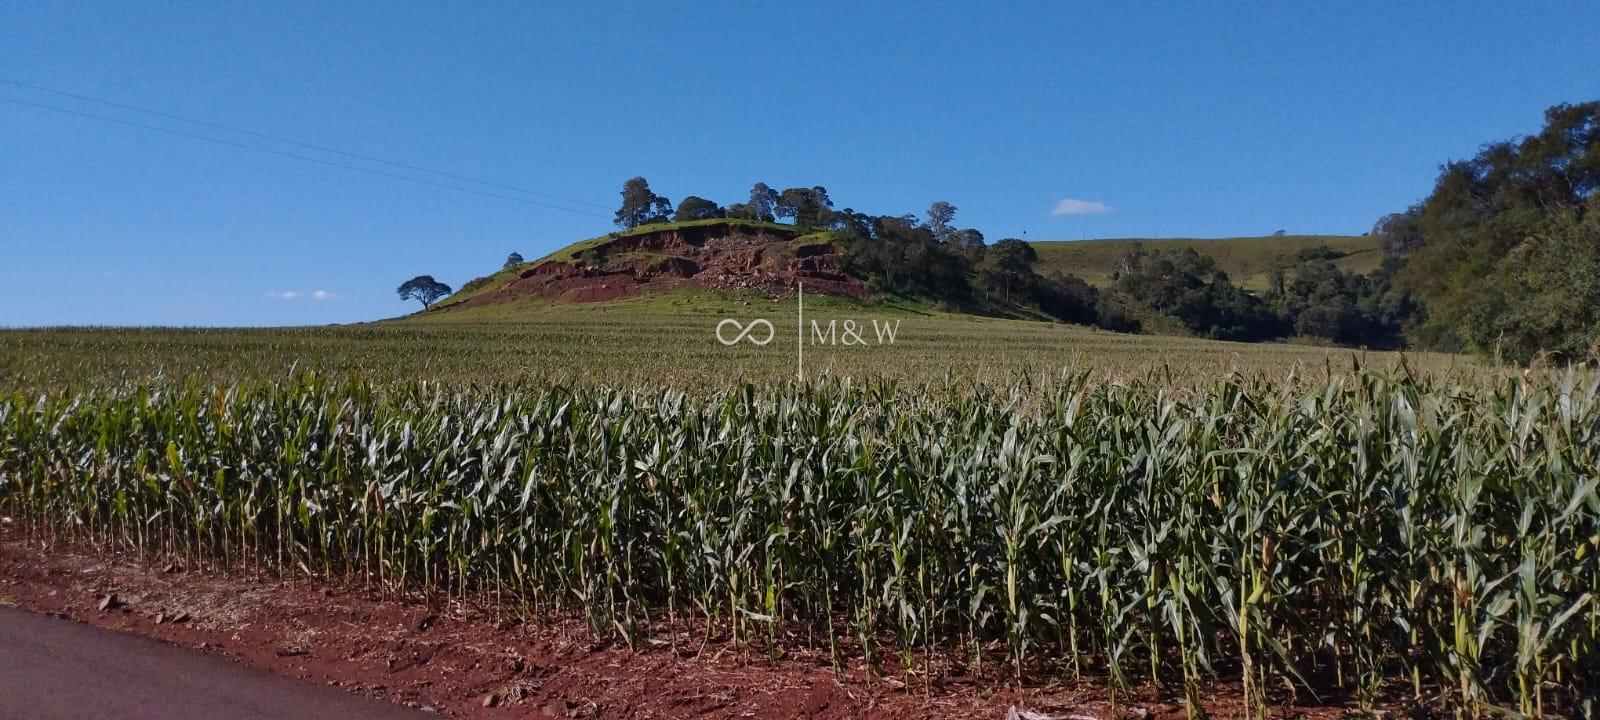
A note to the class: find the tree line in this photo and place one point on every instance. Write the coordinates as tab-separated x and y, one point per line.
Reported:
806	207
1311	298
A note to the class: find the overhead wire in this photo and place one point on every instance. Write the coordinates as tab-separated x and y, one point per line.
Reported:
296	156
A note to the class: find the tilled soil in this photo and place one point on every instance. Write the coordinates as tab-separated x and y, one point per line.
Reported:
459	660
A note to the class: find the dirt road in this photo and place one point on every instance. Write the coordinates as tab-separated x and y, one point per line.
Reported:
52	668
336	648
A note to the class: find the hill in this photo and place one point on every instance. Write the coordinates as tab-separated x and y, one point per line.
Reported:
718	257
899	263
730	254
716	254
1247	260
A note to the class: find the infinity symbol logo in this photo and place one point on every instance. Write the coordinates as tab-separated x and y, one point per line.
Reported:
745	331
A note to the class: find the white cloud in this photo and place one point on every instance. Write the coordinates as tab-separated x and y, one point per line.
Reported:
1074	206
297	294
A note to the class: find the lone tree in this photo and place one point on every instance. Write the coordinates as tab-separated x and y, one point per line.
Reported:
641	206
513	260
423	289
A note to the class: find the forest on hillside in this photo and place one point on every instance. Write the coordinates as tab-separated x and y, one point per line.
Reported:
1503	257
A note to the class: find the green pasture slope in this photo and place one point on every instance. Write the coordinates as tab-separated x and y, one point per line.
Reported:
1247	260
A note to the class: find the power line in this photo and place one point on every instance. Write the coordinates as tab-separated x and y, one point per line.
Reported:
296	156
290	141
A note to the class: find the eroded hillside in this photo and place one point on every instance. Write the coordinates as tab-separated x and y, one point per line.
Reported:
715	255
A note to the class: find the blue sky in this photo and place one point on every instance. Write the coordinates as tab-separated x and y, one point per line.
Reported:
1193	119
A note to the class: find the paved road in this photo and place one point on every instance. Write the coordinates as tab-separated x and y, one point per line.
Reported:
52	668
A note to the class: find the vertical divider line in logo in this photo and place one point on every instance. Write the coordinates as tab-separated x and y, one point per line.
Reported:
800	330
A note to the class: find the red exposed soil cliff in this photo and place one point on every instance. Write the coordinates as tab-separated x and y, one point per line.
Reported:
719	257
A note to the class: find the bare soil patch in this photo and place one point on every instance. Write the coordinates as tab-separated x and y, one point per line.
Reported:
463	660
712	256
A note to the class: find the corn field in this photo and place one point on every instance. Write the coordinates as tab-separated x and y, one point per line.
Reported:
1387	539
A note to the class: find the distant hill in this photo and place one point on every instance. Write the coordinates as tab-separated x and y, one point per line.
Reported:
718	254
721	258
735	255
1247	260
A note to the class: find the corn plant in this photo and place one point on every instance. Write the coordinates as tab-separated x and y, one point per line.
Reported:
1391	538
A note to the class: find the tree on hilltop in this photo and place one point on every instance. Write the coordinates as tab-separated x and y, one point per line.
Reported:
695	207
810	207
763	202
423	289
641	206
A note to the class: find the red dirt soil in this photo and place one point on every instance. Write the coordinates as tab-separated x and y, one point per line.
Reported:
718	257
459	660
